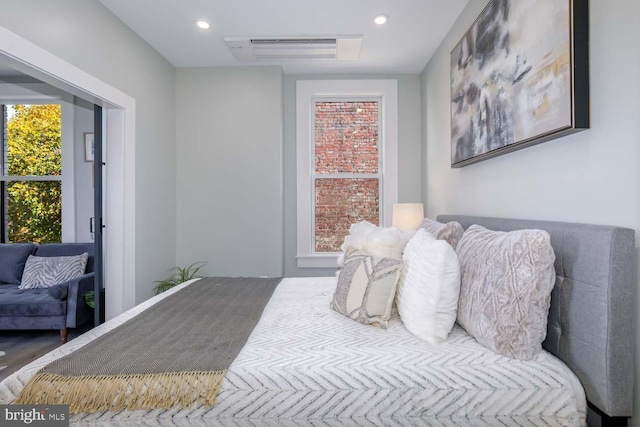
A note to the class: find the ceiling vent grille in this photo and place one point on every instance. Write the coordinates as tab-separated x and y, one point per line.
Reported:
276	49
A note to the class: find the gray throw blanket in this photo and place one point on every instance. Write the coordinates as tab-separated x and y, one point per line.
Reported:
175	353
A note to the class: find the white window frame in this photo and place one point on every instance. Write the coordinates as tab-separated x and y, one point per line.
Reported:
307	93
41	94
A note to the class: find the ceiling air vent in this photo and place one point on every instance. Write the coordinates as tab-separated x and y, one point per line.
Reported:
276	49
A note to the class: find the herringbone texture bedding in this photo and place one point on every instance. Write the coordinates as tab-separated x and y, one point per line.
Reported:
305	364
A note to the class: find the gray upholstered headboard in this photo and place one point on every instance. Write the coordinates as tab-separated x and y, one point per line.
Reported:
591	318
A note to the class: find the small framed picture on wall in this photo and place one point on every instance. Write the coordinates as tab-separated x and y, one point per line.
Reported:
88	147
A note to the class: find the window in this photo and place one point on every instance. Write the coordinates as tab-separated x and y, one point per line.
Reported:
31	173
347	175
346	162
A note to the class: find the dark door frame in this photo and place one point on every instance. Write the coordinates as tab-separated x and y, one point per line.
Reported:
98	285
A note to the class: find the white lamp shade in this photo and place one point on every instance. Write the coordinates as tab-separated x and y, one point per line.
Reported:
407	216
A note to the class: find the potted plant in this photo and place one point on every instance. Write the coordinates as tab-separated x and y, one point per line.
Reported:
178	275
89	299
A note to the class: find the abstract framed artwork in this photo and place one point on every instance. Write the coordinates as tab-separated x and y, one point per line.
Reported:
88	147
519	77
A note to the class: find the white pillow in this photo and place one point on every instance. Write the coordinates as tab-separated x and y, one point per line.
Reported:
358	234
450	232
384	243
429	287
375	241
505	295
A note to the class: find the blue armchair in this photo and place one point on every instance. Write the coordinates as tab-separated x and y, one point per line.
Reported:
58	307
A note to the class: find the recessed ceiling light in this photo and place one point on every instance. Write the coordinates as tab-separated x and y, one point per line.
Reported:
380	19
203	24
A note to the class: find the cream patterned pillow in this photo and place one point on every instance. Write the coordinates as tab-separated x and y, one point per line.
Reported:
505	294
450	232
429	287
366	287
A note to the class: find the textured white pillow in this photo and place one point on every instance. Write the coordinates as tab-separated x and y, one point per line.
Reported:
358	234
450	232
385	243
375	241
505	295
429	287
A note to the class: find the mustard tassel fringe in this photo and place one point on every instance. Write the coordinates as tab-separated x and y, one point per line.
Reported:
99	393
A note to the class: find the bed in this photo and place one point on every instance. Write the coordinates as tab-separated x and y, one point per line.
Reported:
305	364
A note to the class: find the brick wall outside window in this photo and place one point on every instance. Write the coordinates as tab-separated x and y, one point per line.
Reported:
346	142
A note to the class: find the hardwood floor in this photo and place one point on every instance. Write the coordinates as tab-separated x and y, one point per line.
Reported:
23	347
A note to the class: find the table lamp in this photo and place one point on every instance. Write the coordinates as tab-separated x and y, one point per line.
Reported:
407	216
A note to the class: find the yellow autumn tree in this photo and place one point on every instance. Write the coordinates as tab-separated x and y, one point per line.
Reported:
34	148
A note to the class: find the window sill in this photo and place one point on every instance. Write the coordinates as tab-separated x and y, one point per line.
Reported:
318	260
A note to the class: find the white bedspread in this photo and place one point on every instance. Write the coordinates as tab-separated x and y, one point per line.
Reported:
305	364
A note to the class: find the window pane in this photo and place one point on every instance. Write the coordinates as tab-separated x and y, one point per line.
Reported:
346	137
33	140
34	211
340	203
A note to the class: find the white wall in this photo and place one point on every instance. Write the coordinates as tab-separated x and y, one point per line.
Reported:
88	36
409	153
230	172
230	166
589	177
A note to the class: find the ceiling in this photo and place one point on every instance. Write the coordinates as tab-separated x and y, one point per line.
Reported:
403	45
413	32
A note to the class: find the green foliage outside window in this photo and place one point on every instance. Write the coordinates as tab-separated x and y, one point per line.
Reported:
34	148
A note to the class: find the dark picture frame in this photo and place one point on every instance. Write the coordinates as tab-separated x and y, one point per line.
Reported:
519	77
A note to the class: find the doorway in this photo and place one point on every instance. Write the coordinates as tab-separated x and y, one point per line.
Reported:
119	136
